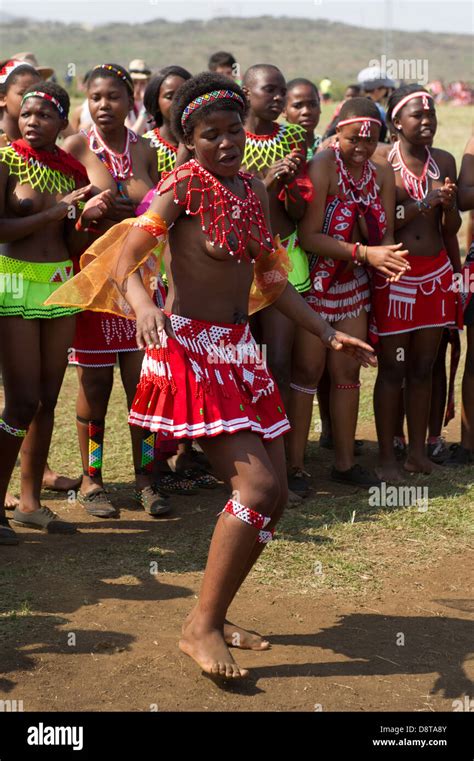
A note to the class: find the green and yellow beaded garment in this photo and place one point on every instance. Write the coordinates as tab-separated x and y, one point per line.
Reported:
311	151
261	151
165	152
43	171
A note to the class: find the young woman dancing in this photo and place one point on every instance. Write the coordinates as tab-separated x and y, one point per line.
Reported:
202	374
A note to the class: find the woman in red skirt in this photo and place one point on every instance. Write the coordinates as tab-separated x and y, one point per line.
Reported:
462	454
114	156
203	374
410	314
347	225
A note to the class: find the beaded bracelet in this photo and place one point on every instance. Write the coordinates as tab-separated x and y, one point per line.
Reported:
80	229
354	251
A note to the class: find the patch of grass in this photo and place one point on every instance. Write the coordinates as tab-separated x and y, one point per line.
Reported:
22	610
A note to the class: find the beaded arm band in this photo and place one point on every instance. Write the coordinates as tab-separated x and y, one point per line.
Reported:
19	433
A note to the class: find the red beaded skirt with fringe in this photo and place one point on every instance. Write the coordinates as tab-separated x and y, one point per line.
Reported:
210	378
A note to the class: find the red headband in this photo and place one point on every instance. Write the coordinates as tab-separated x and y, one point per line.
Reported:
10	67
364	124
420	94
206	99
46	96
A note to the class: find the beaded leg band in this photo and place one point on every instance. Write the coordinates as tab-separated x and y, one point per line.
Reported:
19	433
96	446
252	518
148	452
347	386
303	390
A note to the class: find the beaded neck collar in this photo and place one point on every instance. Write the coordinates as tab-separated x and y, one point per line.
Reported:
165	152
261	151
230	222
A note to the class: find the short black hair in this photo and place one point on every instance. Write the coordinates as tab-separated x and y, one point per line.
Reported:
221	58
56	91
112	70
152	92
301	81
192	89
25	68
399	94
354	87
249	75
359	107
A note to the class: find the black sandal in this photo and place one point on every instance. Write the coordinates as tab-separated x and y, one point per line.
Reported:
356	476
7	535
172	483
298	482
202	479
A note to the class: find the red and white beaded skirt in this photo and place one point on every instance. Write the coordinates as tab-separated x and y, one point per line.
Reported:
209	379
425	298
346	297
99	336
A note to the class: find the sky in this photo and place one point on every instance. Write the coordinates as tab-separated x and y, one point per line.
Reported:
412	15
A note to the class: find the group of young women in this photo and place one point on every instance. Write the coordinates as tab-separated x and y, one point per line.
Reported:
178	254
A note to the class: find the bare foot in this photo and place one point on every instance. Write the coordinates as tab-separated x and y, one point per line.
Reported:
420	465
208	648
54	482
235	636
389	473
10	501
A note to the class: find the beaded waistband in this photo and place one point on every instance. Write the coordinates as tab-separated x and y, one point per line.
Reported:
37	272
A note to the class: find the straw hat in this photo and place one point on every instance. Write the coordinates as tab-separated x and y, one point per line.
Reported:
138	69
45	71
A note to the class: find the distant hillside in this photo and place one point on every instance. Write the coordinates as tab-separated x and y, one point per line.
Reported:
300	47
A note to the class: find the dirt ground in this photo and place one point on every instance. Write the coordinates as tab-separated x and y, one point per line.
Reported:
99	631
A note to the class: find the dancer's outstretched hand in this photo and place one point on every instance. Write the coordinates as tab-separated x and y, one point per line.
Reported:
151	323
357	349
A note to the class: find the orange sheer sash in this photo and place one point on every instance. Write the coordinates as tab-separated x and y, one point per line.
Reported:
270	277
105	266
139	242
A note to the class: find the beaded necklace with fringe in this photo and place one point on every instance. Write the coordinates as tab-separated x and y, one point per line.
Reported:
119	164
261	151
57	172
415	186
165	152
227	220
363	191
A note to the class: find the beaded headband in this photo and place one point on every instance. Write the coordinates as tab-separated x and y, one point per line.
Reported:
119	72
206	99
365	122
46	96
10	67
420	94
